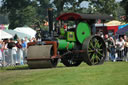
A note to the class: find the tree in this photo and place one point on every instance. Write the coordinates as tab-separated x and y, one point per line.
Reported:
124	4
67	6
120	12
75	6
20	12
43	6
26	16
104	6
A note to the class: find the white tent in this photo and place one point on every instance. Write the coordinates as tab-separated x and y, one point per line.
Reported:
19	34
4	35
26	30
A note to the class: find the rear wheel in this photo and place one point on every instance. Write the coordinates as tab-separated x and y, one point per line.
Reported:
95	50
71	59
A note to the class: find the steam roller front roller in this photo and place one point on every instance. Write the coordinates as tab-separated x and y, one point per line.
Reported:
39	56
95	50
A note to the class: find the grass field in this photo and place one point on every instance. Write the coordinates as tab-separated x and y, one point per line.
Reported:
110	73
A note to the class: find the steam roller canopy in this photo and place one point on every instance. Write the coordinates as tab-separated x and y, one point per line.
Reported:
82	31
39	56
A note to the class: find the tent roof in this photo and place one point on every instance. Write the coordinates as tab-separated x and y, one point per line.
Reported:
4	35
26	30
19	34
78	16
113	23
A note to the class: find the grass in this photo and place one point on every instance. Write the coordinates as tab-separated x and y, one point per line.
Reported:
110	73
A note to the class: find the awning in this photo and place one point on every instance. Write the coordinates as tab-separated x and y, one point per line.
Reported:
113	23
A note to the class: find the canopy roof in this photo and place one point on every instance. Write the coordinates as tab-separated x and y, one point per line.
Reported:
26	30
19	34
78	16
4	35
113	23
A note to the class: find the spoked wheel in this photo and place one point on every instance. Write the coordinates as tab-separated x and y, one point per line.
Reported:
95	50
71	59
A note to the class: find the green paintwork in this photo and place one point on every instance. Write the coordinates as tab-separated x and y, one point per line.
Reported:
83	31
71	36
63	45
62	31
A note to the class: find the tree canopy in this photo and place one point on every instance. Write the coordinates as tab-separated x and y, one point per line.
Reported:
104	6
124	4
20	12
28	12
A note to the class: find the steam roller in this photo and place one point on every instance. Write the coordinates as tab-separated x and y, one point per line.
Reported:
72	44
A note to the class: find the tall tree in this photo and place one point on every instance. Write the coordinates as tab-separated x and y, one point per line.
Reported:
124	4
104	6
43	6
20	12
59	4
69	5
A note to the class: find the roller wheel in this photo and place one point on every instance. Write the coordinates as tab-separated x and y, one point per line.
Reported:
54	62
95	50
39	56
71	59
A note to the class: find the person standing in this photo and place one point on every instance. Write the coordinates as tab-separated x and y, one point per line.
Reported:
11	44
120	48
24	48
126	51
19	52
112	49
125	48
5	52
1	56
106	39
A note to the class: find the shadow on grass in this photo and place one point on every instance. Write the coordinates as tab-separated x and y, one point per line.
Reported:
25	67
60	67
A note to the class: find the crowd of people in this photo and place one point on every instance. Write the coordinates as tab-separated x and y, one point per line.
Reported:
14	52
117	48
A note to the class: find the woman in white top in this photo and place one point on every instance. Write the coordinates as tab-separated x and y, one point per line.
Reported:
120	47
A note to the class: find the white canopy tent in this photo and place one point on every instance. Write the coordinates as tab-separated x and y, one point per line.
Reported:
4	35
19	34
26	30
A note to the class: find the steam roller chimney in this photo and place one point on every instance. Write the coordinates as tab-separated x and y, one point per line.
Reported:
50	20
